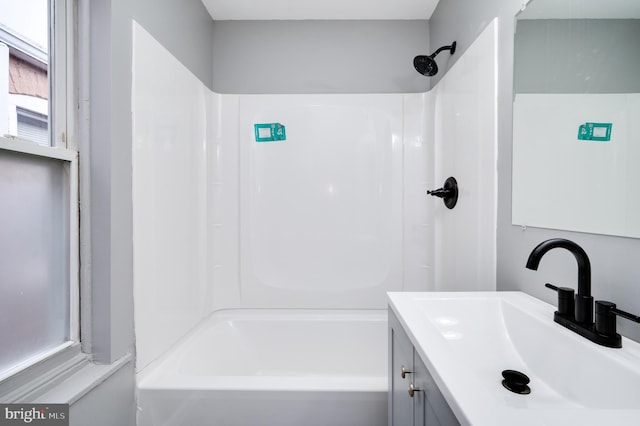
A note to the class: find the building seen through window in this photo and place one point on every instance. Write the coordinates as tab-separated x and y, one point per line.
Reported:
24	77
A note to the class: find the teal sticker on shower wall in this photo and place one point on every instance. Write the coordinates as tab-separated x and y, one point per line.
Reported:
270	132
599	132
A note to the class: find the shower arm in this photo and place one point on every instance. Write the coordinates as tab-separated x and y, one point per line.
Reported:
452	48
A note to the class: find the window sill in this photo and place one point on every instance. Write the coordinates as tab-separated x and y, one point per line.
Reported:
82	382
64	377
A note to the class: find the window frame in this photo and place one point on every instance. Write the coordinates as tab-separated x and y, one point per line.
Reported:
62	71
38	374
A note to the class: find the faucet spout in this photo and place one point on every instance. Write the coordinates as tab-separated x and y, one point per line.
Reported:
583	299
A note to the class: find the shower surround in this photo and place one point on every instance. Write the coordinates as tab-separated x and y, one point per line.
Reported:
319	225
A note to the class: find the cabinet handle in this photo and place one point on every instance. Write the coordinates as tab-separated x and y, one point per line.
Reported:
413	389
404	372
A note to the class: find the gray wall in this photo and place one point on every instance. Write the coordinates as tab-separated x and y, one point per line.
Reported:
615	261
184	28
112	403
110	147
462	21
318	56
577	56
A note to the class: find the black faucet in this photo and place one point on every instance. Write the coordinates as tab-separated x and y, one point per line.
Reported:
577	314
583	300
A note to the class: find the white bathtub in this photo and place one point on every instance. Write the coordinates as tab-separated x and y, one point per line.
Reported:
272	368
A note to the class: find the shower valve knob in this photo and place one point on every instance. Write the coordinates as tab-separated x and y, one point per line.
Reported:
448	193
441	192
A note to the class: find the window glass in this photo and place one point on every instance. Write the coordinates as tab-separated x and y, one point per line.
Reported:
24	63
38	228
34	247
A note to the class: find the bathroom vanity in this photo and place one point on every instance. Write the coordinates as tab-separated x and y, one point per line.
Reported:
457	351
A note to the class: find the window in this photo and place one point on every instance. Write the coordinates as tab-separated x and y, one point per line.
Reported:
38	185
32	126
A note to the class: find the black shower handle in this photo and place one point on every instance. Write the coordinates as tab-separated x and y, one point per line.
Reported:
448	193
440	192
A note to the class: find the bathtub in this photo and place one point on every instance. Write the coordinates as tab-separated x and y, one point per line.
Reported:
272	368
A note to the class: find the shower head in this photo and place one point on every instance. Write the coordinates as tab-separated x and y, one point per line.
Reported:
426	65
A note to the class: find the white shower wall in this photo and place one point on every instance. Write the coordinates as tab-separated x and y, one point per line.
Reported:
170	142
464	126
318	220
332	217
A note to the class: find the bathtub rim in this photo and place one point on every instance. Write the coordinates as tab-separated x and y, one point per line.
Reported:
153	377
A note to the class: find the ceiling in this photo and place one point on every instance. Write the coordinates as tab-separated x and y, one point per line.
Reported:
581	9
222	10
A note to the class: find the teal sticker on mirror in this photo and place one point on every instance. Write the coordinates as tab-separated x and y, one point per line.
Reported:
599	132
270	132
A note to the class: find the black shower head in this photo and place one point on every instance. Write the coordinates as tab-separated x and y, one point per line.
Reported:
426	65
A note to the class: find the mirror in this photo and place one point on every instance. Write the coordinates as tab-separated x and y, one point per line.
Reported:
576	116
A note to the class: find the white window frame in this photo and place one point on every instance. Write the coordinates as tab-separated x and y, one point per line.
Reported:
37	375
62	68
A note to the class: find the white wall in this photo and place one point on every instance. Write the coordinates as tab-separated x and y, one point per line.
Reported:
322	219
332	217
465	147
321	213
170	114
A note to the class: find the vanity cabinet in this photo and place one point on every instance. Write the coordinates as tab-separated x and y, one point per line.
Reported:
414	398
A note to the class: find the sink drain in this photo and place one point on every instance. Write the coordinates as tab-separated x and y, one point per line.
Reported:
516	382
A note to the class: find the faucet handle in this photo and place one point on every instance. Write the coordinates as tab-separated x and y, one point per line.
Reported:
606	317
565	299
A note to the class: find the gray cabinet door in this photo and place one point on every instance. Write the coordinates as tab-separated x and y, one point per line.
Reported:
427	407
400	355
430	407
421	415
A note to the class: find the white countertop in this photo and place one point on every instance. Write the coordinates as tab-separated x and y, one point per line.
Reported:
466	339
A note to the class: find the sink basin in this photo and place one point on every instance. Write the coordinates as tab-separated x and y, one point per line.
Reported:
467	339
